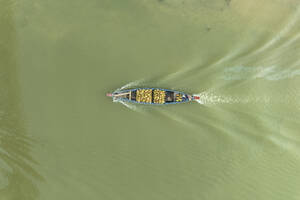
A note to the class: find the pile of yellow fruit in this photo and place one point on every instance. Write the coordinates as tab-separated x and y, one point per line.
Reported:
144	95
178	97
159	96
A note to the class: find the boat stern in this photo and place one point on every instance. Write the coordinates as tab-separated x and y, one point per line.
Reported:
196	97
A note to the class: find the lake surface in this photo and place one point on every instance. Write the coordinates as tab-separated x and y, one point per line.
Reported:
62	138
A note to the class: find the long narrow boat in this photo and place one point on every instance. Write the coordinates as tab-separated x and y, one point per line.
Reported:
152	96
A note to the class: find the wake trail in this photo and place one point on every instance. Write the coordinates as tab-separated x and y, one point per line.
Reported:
131	106
209	98
129	85
128	105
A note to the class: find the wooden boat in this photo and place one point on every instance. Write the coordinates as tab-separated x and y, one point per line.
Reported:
153	96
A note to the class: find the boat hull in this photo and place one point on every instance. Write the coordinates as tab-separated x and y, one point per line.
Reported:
151	96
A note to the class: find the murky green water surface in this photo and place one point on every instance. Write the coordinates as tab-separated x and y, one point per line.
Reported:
62	138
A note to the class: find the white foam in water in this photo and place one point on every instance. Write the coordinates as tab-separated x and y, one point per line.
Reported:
209	98
129	105
131	84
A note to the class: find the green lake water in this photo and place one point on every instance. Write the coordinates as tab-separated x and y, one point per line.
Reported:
62	138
